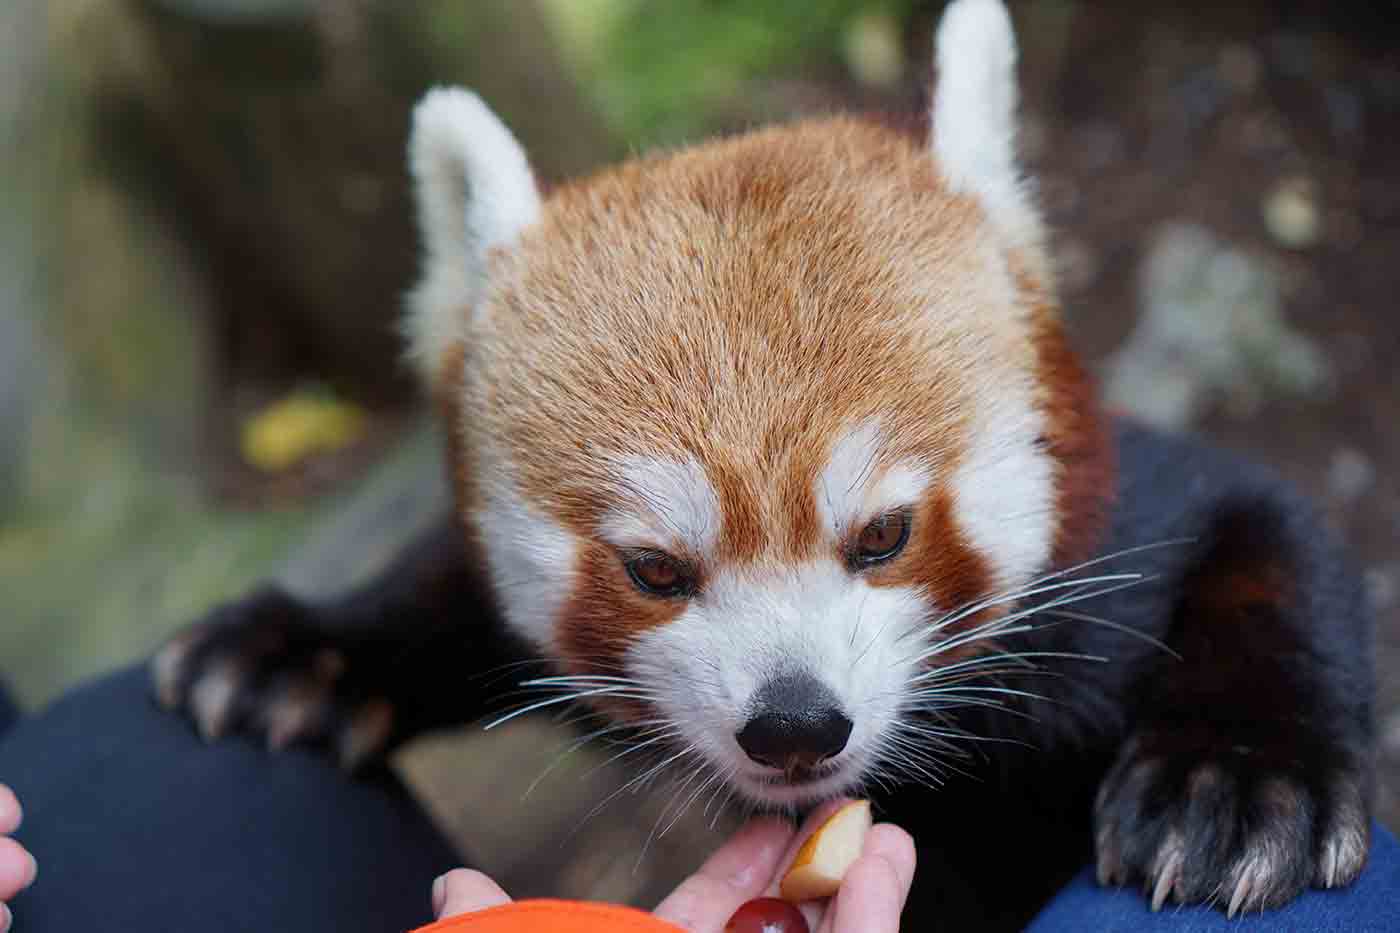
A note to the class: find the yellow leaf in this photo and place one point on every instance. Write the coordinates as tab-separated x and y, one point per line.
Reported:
288	431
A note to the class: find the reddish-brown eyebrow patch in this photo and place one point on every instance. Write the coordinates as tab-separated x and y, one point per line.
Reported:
938	558
605	614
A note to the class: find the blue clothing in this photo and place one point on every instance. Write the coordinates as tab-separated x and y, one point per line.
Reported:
138	825
1371	904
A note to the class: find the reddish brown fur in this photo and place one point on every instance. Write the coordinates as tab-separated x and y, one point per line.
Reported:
938	557
1236	591
1076	433
742	304
605	612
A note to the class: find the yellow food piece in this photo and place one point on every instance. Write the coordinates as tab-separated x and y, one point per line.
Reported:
827	854
287	432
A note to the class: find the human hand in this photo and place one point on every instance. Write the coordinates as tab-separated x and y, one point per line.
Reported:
17	866
750	865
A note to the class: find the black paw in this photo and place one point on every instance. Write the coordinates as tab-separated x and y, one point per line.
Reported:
259	665
1194	819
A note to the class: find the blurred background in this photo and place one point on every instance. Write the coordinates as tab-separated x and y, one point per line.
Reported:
206	234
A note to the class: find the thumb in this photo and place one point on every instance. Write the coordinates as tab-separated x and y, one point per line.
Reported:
463	890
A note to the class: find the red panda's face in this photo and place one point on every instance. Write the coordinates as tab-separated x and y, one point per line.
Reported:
742	431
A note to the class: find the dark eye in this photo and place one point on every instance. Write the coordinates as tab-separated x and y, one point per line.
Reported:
659	574
881	540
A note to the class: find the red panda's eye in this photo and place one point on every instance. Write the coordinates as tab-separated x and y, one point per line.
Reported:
882	539
659	574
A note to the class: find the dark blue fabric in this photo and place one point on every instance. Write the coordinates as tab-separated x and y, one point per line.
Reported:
1370	905
140	826
9	710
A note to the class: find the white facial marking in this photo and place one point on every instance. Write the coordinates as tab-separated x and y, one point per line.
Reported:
530	558
854	488
475	191
749	626
974	113
669	504
1004	488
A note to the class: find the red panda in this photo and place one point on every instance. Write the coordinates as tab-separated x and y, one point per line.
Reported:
778	442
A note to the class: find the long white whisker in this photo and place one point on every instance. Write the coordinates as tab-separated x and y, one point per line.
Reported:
1104	558
998	599
635	747
1001	657
992	629
578	679
659	725
650	772
1117	627
960	690
717	775
947	703
567	698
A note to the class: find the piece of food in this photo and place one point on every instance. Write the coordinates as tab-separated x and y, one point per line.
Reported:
766	915
822	861
299	426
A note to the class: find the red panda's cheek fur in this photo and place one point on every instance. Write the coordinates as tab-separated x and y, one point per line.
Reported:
939	560
1076	431
605	614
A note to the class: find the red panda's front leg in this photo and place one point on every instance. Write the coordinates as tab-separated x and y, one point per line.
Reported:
1246	776
412	650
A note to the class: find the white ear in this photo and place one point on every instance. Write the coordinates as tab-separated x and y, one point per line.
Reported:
475	192
974	114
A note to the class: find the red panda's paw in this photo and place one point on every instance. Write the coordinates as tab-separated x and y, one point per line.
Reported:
1235	825
260	665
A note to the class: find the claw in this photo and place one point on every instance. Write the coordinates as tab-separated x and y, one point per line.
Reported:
1348	836
366	734
212	699
1169	873
1329	865
168	666
1107	863
293	714
1242	891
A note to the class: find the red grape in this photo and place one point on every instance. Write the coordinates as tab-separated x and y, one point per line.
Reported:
766	915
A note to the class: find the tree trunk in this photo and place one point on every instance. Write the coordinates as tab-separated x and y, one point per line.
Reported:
275	139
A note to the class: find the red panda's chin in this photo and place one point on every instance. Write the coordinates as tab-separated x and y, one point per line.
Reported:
774	790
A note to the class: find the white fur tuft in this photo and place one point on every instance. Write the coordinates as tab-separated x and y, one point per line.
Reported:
475	191
530	558
974	114
854	487
667	504
1005	486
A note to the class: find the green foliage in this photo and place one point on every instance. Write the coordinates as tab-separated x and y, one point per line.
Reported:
659	69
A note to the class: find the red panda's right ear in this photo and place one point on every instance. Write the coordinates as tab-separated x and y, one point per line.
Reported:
974	116
475	192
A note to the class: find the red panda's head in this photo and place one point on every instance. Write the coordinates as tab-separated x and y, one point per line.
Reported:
738	428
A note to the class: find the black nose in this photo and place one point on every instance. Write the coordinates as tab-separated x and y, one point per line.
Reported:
795	724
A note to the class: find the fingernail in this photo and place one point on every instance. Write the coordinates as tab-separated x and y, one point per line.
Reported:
439	894
5	918
33	869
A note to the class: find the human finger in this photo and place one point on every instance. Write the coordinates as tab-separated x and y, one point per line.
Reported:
11	813
465	890
873	893
17	868
738	871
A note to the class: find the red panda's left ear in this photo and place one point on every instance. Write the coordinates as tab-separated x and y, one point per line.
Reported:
475	193
974	117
